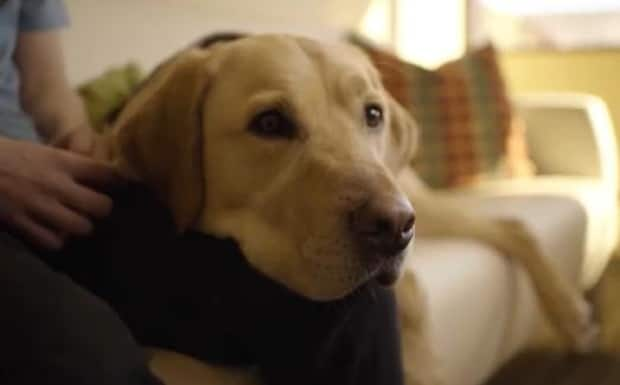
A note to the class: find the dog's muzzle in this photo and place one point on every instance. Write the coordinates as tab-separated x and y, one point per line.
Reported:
383	228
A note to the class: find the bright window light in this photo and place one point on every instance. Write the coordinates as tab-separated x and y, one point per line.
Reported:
424	32
429	33
376	23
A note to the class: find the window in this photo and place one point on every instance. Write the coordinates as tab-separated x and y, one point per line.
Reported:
545	24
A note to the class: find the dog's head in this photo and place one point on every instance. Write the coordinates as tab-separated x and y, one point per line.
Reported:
284	144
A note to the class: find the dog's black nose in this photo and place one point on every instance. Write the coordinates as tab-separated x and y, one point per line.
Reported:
383	226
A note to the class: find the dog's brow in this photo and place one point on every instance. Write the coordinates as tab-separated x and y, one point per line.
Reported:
269	98
356	84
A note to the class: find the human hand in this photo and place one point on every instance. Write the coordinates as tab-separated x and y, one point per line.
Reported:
84	141
48	195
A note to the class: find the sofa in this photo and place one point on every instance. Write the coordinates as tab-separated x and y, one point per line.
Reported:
483	310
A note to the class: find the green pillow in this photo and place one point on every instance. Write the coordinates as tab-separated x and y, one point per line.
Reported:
106	94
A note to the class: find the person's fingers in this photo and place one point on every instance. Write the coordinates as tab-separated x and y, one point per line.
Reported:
38	234
90	172
61	218
59	141
85	200
81	143
101	148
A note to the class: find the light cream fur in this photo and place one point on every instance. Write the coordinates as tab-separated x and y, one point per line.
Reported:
285	201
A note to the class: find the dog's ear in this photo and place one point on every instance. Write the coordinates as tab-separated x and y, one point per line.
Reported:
158	136
402	142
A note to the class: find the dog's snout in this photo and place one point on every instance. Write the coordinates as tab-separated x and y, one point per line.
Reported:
383	226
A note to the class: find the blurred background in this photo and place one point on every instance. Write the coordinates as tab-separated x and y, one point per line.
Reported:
571	45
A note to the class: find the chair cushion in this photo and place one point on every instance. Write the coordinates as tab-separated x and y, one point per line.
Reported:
470	295
527	199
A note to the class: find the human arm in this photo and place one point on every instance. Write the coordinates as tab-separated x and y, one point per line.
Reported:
47	194
46	95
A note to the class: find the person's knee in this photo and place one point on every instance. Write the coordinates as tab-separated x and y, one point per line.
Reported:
53	331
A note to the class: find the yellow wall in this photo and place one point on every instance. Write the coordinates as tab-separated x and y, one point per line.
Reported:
596	72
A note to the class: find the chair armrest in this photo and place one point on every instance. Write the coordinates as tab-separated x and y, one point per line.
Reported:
570	134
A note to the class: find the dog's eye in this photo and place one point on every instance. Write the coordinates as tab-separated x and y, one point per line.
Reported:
374	115
272	124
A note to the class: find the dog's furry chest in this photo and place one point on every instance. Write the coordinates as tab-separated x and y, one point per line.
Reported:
196	295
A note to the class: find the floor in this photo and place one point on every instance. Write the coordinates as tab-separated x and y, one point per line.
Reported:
599	368
541	368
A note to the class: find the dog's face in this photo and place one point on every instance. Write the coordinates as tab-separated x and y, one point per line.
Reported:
286	145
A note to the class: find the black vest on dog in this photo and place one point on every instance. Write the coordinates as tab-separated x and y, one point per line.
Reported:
197	295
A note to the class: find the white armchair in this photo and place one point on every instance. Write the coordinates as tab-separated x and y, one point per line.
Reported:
482	306
570	134
573	145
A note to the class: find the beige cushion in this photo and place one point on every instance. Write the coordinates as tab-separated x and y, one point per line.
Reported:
469	291
597	199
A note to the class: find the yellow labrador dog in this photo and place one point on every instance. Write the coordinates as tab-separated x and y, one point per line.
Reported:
294	149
